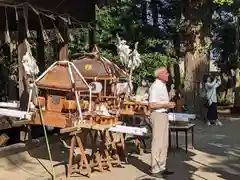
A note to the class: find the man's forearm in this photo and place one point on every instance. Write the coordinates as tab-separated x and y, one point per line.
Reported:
158	106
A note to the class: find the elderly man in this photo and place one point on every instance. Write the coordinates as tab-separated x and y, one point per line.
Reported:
159	104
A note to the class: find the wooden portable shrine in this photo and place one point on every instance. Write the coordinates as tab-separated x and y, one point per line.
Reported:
59	88
95	67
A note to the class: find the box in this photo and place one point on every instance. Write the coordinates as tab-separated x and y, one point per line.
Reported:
55	103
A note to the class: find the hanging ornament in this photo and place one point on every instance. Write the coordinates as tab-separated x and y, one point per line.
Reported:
29	62
64	19
70	36
25	14
7	34
69	21
107	68
16	13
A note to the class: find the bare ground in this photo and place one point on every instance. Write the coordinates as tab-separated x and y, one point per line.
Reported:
216	157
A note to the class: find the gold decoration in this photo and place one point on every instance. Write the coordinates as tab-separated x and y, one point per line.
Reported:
88	67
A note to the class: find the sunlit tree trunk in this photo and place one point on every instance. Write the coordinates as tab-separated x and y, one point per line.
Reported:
196	61
237	71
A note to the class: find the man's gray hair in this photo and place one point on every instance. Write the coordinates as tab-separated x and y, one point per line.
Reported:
158	71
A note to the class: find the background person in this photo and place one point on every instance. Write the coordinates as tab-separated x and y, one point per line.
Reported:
211	87
142	91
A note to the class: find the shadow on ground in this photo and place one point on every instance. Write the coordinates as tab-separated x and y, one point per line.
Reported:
221	143
220	147
216	155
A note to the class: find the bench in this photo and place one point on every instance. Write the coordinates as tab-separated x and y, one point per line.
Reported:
182	128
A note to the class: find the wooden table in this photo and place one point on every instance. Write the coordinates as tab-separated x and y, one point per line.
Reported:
182	128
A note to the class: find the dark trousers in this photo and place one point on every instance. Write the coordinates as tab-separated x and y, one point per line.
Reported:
212	115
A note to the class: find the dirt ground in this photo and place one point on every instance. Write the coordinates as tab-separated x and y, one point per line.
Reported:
216	157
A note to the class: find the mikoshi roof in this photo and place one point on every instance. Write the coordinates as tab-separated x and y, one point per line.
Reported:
58	77
93	65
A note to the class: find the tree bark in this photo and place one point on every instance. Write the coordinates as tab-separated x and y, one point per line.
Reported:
196	64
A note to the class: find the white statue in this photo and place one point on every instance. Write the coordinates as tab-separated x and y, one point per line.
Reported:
130	59
123	51
135	58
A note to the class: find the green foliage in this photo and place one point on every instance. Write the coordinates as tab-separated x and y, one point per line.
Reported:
222	101
223	2
79	45
125	19
151	61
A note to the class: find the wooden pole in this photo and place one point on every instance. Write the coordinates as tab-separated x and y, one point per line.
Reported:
21	52
63	47
23	84
40	51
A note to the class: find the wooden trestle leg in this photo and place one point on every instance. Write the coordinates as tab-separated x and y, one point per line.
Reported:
76	142
113	149
100	155
124	148
104	151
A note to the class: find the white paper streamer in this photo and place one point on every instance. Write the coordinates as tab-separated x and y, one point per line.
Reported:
29	62
7	34
16	13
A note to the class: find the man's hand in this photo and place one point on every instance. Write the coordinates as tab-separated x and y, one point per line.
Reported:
171	105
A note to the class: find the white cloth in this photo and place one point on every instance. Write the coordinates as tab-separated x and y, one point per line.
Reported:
158	94
211	90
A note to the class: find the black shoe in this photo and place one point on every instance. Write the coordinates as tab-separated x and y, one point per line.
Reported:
166	172
147	151
157	175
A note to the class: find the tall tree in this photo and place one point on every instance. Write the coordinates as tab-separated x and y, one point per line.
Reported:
198	16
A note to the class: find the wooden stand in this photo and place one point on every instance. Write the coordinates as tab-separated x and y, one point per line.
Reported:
77	142
104	148
100	156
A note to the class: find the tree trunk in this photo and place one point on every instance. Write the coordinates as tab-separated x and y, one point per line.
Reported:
196	64
237	70
237	89
176	42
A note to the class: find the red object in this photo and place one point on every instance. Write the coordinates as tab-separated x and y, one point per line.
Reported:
179	106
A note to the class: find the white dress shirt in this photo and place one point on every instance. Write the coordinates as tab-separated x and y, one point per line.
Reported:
158	94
